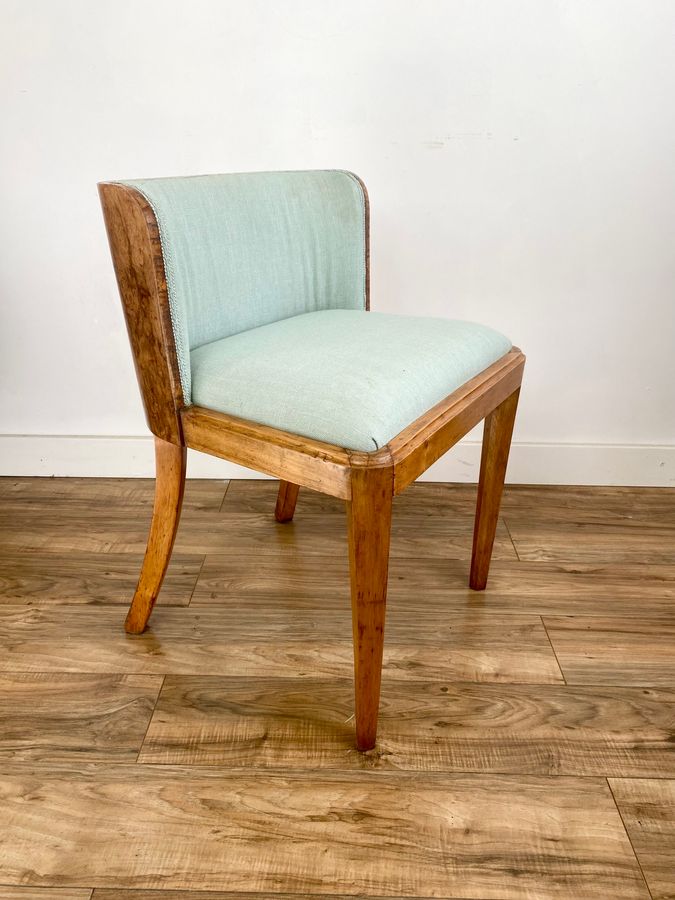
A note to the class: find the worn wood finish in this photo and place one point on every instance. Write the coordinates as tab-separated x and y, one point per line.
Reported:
171	460
136	251
426	726
286	500
305	462
369	517
406	835
648	810
432	435
494	458
75	717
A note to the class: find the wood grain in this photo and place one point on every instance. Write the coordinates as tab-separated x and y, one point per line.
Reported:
85	717
246	534
414	582
49	578
104	894
93	497
8	892
136	251
442	727
615	650
570	505
259	686
497	432
286	500
648	811
196	641
369	518
171	461
408	835
586	542
303	461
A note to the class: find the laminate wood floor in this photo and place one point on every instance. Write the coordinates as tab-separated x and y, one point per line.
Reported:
527	733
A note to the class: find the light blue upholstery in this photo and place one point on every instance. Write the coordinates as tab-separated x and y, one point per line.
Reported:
244	250
348	377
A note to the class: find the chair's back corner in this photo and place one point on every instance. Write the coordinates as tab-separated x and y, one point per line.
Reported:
136	250
366	233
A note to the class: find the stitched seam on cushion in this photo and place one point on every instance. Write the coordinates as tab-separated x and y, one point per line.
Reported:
185	377
362	201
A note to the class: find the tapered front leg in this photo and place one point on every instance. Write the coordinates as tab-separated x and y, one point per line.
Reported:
495	455
169	486
286	500
369	513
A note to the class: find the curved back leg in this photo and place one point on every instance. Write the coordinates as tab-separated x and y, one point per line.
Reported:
169	487
286	500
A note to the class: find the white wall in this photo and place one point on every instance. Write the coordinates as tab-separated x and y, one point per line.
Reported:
519	155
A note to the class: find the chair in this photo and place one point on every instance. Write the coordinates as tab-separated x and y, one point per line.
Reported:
246	299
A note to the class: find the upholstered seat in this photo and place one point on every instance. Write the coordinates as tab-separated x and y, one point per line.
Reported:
348	377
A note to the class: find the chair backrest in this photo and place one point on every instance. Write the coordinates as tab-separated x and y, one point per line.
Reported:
244	250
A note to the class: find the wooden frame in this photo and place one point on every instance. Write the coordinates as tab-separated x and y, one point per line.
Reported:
367	481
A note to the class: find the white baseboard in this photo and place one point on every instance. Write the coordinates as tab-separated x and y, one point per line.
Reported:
132	457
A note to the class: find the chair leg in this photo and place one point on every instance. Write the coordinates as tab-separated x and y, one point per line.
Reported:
369	514
495	455
286	500
169	486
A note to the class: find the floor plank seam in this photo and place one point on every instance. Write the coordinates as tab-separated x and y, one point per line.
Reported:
625	828
152	715
194	586
513	543
227	487
560	668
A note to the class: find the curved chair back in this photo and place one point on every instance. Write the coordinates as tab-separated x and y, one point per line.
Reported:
244	250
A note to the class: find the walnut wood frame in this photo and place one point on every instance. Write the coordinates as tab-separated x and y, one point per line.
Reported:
367	481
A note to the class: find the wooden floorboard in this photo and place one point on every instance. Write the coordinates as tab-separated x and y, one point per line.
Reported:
648	811
453	727
36	579
526	746
255	534
521	587
86	717
194	641
615	649
13	892
312	832
116	894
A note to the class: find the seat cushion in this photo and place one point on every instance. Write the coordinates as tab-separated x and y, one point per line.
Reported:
348	377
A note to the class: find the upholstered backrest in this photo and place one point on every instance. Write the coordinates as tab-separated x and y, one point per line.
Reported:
248	249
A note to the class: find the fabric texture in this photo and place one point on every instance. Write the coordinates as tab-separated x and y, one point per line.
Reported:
348	377
247	249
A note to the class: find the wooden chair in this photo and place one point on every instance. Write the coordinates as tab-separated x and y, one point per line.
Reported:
245	299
